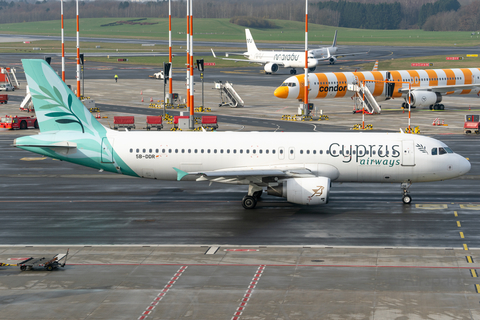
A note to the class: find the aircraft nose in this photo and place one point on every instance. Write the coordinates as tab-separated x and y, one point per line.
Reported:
281	92
465	166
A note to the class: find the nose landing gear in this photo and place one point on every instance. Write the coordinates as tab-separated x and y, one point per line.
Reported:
407	199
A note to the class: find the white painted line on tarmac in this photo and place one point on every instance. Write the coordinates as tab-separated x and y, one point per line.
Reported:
212	250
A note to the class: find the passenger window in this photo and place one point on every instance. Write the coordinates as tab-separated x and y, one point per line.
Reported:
434	151
228	150
266	151
314	151
241	150
183	150
441	151
214	150
202	151
208	150
254	151
320	151
176	150
234	150
301	151
169	150
373	152
334	151
281	151
308	151
247	151
273	151
138	150
196	151
189	150
221	150
156	150
163	150
131	150
144	150
260	151
149	150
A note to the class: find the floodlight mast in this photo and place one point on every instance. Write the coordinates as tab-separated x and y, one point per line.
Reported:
306	83
78	55
63	43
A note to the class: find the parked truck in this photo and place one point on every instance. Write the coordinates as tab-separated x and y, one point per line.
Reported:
3	98
16	122
472	124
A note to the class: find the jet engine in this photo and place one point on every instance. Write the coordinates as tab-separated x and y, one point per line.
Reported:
271	67
311	191
421	98
332	60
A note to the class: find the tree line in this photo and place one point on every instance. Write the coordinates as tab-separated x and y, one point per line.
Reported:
369	14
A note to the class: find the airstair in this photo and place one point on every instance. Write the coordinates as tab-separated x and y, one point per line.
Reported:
27	104
361	92
228	95
10	76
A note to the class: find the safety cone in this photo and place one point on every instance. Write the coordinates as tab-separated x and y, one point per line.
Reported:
141	92
151	99
142	99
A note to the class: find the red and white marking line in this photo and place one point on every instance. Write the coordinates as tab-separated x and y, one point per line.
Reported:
249	292
162	293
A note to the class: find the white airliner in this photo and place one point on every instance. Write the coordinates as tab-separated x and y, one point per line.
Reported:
273	60
427	86
297	166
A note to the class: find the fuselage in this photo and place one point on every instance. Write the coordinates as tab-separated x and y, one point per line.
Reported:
334	84
343	157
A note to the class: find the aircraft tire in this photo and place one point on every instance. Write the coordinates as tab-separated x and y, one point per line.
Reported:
49	268
407	199
23	268
249	202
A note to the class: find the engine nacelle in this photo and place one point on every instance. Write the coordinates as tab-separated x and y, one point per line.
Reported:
421	98
332	60
307	191
271	67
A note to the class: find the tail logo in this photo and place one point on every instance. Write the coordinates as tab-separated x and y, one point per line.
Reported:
56	98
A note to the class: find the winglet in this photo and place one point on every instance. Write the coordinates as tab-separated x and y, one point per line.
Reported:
213	53
180	173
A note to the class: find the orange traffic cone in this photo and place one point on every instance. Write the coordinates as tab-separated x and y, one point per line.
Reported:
142	99
141	92
151	99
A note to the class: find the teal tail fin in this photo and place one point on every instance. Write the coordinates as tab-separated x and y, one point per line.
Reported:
56	106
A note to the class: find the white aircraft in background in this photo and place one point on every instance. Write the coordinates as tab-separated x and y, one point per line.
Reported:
330	53
273	60
297	166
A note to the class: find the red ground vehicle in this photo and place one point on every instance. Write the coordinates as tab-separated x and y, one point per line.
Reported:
17	122
3	98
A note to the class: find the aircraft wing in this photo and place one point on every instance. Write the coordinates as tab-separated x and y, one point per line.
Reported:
254	174
350	54
442	89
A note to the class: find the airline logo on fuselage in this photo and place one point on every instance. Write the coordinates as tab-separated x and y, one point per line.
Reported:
286	57
332	88
384	155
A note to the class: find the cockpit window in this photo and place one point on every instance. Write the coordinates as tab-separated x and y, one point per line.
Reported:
442	151
434	151
448	150
289	84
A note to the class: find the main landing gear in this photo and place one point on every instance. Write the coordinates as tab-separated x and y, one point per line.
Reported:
250	200
293	71
407	199
405	106
437	107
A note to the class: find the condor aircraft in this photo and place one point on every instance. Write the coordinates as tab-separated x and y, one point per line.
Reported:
427	86
297	166
273	60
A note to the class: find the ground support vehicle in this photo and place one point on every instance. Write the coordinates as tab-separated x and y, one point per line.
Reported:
16	122
47	263
127	122
3	98
209	122
472	124
7	87
158	75
154	122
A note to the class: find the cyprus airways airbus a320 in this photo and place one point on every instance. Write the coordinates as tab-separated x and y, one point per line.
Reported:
297	166
427	86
